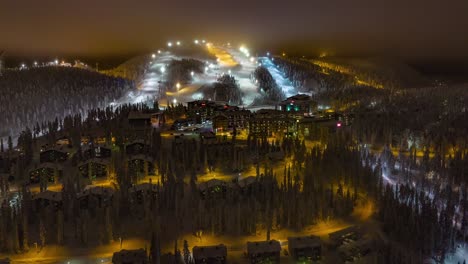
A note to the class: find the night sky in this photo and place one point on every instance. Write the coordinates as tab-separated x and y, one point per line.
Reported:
408	28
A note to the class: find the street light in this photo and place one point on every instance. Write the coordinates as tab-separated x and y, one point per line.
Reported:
196	41
192	73
178	86
35	63
159	51
163	69
178	43
169	44
153	56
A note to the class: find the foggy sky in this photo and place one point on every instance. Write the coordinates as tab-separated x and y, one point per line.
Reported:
100	27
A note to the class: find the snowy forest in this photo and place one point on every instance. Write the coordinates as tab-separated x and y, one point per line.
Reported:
405	153
270	92
41	94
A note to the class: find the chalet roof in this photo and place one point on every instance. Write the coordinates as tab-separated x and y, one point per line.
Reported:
278	155
261	247
130	256
304	242
96	190
56	148
137	141
267	111
244	182
359	245
48	195
342	232
231	112
219	115
104	162
93	146
208	135
210	184
298	98
140	157
144	187
217	251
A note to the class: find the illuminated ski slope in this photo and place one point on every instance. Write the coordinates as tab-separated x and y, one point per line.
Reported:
229	61
283	82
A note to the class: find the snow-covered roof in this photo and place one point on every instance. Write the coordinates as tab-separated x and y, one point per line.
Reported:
244	182
144	187
218	251
105	162
140	157
304	242
261	247
278	155
96	190
48	195
210	184
130	256
208	135
136	141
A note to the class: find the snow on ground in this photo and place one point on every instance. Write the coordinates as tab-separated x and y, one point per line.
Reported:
229	61
243	75
460	255
285	84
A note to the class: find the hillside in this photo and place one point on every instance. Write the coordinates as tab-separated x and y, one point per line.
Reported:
38	95
377	72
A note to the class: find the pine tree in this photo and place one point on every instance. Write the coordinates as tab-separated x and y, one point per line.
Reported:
42	232
10	144
186	253
155	254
